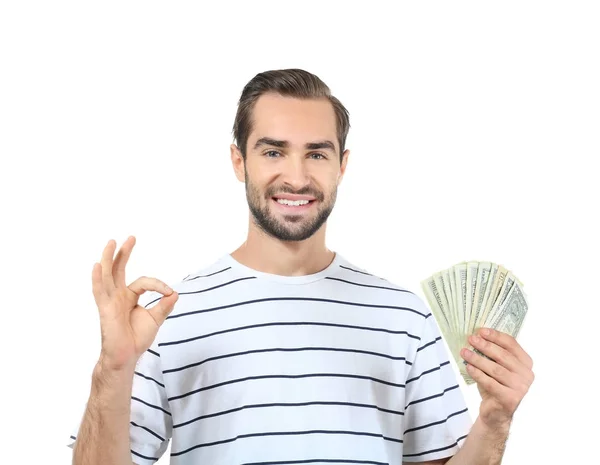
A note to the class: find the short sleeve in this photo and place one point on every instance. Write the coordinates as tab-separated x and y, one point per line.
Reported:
436	417
150	428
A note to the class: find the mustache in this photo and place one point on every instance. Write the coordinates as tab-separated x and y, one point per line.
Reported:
304	191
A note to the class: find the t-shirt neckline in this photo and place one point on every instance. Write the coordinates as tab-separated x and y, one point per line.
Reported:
304	279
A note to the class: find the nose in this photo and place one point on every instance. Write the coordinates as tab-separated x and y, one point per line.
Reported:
295	173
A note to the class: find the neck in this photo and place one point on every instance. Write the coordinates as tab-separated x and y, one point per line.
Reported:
267	254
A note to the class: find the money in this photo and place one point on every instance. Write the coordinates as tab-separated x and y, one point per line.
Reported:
473	295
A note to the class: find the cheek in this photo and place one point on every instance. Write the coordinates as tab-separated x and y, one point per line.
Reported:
330	184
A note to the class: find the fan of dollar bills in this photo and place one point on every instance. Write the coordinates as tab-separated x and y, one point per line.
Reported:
473	295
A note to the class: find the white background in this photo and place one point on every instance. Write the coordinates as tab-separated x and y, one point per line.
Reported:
475	136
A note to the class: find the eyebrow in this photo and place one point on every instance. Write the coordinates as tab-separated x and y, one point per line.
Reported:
324	144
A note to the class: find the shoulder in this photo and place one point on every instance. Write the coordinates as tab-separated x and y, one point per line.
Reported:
216	273
219	266
376	286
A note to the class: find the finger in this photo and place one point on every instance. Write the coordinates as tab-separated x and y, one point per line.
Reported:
144	283
121	262
107	263
162	309
97	286
488	383
501	356
509	343
492	369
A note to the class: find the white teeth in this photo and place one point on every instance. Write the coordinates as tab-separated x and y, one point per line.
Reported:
295	203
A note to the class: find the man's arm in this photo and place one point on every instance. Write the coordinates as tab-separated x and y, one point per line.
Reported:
103	436
482	446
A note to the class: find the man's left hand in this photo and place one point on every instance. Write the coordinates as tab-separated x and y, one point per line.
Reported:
504	380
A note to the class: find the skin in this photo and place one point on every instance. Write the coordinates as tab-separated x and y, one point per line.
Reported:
293	245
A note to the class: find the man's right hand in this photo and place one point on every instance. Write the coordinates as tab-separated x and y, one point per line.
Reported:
128	329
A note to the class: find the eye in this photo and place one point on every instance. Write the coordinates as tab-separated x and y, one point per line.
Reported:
320	155
270	151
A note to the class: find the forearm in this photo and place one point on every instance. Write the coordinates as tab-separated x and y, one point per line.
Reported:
482	446
103	437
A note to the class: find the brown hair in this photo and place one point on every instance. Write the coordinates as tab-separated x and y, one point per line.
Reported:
287	82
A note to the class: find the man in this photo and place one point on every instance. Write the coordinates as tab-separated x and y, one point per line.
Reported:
283	352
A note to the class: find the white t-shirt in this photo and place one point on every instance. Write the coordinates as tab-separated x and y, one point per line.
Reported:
340	366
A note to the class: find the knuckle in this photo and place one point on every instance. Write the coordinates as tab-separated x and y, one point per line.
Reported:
530	362
486	382
500	356
506	357
497	371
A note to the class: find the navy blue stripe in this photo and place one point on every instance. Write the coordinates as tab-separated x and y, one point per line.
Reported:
436	422
301	299
284	433
207	275
455	443
309	375
292	462
138	426
368	285
281	404
150	405
133	452
429	343
356	271
200	291
424	399
154	353
148	377
147	429
143	456
287	323
203	290
282	349
427	372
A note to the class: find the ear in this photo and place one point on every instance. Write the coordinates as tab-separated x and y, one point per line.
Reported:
345	156
238	162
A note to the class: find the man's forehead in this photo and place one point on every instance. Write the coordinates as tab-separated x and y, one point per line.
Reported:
293	122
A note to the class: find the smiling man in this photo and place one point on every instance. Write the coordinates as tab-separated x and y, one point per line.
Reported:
284	352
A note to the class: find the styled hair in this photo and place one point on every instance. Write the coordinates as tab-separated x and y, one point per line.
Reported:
290	83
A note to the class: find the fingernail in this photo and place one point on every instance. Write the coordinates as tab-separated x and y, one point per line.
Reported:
485	332
475	339
168	289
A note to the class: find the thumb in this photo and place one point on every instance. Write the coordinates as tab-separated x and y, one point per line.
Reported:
164	306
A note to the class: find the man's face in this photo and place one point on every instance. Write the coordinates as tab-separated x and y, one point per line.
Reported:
291	186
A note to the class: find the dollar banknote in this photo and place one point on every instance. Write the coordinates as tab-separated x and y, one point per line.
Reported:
473	295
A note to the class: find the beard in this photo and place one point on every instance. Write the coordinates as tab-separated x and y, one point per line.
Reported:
291	227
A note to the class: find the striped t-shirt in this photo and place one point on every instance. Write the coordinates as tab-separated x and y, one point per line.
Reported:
340	366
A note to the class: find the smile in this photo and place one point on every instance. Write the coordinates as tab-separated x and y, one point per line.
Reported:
293	205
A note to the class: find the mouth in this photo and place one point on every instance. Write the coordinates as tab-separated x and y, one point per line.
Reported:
293	206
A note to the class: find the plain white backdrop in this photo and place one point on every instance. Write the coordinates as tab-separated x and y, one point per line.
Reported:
475	135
